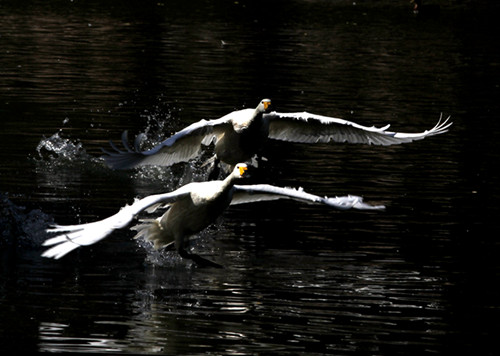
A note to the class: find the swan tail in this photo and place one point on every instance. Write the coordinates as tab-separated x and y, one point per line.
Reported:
151	230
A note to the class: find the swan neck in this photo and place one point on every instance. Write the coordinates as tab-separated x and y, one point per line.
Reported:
228	181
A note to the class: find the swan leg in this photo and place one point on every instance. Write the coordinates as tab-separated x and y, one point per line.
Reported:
200	261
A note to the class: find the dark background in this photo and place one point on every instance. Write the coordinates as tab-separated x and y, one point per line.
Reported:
417	278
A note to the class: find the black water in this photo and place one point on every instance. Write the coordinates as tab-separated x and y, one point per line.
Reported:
420	277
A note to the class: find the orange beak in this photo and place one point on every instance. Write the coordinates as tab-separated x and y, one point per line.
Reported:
242	170
266	104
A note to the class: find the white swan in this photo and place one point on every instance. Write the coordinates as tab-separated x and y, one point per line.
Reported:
191	208
239	135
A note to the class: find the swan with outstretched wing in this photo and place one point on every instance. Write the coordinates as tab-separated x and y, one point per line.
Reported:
240	135
190	209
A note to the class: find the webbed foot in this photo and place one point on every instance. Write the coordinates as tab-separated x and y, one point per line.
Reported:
200	261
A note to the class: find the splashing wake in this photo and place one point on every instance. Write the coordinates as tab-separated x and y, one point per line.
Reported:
56	147
20	226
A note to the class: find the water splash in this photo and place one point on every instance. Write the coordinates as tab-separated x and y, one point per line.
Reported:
169	257
20	226
56	147
159	122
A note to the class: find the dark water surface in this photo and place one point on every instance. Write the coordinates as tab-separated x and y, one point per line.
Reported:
420	277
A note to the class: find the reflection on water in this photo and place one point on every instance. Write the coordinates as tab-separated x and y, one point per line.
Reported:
342	304
413	279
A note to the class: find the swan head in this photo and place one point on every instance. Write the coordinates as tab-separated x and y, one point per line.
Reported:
240	170
264	105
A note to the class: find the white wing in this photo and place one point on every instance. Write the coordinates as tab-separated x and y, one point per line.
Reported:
180	147
74	236
262	192
310	128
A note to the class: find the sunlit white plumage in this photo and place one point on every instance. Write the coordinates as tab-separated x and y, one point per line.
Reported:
239	135
191	208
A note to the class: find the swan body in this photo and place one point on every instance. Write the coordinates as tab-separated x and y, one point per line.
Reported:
191	208
239	135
